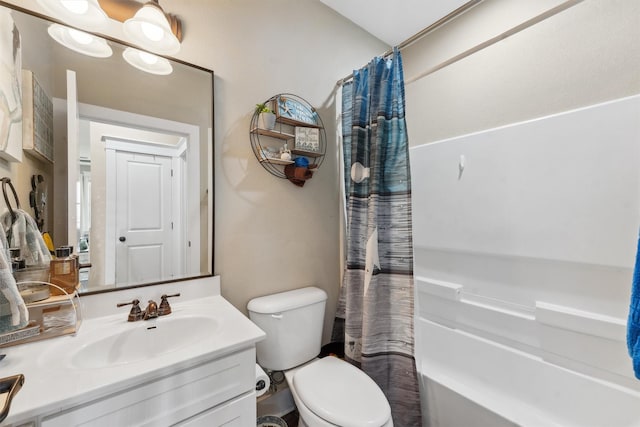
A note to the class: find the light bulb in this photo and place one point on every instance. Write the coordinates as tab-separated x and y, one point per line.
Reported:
79	13
79	7
147	62
80	36
152	31
79	41
148	58
149	28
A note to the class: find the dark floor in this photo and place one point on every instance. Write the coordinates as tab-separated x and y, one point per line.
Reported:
291	418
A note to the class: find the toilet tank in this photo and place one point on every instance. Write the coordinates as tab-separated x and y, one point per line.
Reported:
293	323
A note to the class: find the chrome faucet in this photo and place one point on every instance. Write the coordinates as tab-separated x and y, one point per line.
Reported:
151	311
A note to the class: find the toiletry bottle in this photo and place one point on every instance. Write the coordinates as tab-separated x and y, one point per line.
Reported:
63	272
74	256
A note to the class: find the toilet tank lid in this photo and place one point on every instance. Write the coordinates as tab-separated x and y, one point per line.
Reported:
288	300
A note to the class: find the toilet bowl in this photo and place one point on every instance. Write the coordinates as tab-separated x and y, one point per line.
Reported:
328	392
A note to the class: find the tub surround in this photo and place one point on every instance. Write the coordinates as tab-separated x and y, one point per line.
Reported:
525	261
55	384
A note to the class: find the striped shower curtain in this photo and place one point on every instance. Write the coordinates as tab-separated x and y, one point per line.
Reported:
375	309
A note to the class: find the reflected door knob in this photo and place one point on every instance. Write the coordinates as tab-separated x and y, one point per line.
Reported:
122	238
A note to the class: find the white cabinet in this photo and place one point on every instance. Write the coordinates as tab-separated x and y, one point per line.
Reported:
238	412
217	392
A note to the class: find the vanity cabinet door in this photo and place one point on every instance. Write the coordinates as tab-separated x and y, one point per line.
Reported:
168	400
240	412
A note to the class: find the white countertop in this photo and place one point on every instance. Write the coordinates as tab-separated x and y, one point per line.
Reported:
52	384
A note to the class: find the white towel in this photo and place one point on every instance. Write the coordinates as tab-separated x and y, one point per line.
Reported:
22	232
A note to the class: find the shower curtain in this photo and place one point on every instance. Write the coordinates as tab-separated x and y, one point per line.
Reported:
375	309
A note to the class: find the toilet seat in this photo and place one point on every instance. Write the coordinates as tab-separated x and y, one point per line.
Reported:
341	394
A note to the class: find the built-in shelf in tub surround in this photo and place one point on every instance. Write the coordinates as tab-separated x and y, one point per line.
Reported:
548	331
211	377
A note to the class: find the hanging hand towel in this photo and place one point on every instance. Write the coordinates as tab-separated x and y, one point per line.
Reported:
13	311
22	232
633	324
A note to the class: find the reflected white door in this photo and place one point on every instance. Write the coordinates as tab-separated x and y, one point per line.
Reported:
143	218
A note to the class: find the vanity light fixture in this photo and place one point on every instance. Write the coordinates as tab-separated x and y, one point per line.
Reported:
147	62
150	29
81	13
79	41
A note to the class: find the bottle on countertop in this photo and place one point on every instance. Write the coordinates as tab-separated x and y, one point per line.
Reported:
63	271
76	259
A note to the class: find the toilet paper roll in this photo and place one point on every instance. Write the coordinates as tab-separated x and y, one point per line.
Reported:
262	381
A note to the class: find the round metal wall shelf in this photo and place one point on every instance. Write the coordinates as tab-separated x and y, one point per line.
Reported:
298	128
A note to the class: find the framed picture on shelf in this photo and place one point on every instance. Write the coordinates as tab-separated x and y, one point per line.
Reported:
37	118
292	111
307	139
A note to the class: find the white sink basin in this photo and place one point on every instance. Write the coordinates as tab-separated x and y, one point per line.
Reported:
143	341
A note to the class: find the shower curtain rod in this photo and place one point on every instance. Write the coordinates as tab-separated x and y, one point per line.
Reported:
408	42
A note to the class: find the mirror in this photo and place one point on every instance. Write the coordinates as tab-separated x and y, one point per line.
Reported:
132	186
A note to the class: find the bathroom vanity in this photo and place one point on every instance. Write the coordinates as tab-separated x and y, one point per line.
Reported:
194	367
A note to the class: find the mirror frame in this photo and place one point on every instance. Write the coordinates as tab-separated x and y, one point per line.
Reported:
211	184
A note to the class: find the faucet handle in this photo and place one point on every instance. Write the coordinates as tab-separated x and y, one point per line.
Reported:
165	308
135	313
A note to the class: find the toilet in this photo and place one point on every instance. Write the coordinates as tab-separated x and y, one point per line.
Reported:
328	392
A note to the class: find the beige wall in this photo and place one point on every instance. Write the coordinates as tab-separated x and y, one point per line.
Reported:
586	54
270	235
